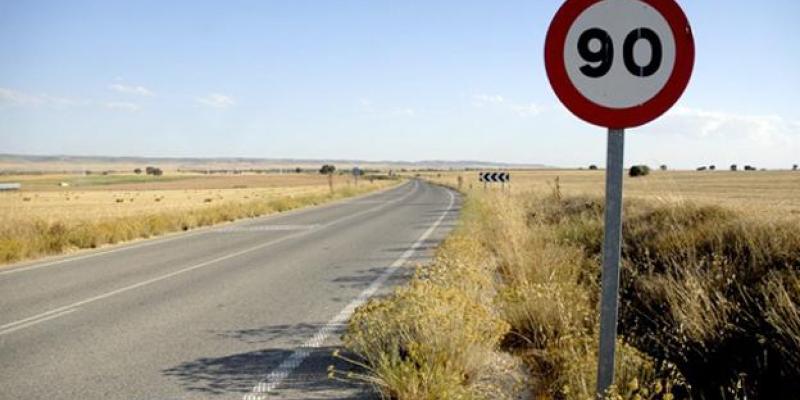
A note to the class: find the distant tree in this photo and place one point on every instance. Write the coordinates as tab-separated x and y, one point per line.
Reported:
734	167
593	167
663	167
137	171
749	168
794	167
153	171
712	167
639	170
298	170
703	168
327	169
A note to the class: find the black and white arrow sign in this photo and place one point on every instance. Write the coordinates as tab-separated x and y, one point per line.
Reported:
494	177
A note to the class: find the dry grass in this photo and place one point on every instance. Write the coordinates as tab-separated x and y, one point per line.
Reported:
437	337
710	295
176	181
47	219
764	193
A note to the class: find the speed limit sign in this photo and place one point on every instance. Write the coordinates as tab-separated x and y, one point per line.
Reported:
619	63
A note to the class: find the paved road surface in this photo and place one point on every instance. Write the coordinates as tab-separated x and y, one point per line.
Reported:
231	312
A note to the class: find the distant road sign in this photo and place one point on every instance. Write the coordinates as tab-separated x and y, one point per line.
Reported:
501	177
619	63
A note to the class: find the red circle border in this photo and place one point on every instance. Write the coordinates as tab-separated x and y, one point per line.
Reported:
619	118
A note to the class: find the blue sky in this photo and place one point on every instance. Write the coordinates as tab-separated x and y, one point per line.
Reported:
374	80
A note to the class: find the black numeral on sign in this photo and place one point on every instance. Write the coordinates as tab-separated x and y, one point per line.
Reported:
605	54
655	58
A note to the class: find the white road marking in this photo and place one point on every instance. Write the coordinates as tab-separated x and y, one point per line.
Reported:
22	321
41	317
274	379
25	325
266	228
177	235
100	253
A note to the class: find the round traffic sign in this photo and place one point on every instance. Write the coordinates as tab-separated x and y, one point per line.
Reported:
619	63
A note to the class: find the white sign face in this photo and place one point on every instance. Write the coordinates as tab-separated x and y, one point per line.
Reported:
620	53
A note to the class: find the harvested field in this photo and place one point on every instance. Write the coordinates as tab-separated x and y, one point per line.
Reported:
767	194
46	218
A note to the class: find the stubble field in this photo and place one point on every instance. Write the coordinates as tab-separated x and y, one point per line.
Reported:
57	213
767	194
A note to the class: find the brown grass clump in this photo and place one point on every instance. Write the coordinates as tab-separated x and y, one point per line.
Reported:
437	337
706	289
548	296
425	341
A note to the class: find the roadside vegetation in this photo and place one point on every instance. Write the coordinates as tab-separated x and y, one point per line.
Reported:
710	304
48	221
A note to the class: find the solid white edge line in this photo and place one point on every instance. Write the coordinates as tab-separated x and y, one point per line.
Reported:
203	264
171	236
274	379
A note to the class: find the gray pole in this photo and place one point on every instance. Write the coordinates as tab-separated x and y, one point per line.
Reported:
611	259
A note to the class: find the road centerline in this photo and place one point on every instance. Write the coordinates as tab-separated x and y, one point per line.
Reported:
33	321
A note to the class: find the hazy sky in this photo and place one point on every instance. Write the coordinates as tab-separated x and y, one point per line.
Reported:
371	80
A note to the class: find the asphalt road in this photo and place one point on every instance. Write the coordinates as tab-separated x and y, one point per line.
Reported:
248	310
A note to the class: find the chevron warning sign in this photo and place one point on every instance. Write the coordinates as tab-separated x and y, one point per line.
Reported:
501	177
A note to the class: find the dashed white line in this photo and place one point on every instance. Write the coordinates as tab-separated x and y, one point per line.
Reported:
274	379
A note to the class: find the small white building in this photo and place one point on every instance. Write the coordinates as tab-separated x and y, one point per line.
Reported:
9	186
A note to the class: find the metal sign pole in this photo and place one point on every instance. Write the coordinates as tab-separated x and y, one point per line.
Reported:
611	260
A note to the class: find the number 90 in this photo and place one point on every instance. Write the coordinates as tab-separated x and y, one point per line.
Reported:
605	54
